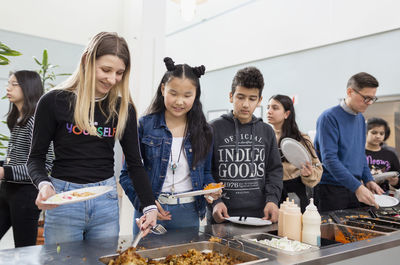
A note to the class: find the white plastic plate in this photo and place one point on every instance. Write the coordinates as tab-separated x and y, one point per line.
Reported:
295	152
194	193
382	176
385	200
68	197
248	221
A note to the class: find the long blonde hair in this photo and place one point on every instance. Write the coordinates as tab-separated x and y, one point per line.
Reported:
83	84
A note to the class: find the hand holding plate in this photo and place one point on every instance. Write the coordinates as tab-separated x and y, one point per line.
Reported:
306	170
45	192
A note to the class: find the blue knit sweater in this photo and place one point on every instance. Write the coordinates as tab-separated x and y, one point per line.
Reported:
340	145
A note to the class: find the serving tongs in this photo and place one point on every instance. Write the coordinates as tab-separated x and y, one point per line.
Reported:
347	234
157	230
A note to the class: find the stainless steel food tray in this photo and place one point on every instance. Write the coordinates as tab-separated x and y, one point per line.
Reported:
249	238
332	232
162	252
374	227
381	222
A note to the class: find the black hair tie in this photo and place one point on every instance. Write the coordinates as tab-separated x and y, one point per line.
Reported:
169	63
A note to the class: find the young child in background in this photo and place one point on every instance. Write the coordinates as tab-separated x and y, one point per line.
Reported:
246	158
282	117
175	142
381	160
17	193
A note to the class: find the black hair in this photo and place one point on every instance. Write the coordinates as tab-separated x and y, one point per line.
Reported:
375	122
198	130
249	77
32	89
289	127
361	80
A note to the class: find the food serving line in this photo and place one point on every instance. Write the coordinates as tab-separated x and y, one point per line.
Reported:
383	245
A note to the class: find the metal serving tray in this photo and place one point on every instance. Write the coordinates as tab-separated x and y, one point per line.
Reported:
333	232
374	227
249	239
381	222
159	253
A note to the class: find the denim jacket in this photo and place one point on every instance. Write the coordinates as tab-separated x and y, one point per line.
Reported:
155	146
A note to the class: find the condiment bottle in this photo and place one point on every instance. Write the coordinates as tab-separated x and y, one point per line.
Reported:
311	233
282	210
292	222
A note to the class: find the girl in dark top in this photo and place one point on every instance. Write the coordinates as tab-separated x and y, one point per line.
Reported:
282	117
381	160
17	194
175	142
83	118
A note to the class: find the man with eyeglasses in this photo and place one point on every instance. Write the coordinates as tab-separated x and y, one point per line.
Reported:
340	144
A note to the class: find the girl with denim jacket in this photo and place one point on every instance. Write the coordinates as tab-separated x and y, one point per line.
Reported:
175	143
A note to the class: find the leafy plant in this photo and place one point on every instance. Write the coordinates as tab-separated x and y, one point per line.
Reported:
46	71
6	51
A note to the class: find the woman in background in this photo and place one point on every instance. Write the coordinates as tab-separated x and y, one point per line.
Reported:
17	193
175	141
83	118
282	117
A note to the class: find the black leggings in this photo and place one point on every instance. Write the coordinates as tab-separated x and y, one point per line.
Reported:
18	209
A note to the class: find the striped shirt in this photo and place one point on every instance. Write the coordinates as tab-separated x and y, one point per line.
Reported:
15	169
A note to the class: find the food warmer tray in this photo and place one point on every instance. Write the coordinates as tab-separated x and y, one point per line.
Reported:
381	222
249	239
374	227
204	246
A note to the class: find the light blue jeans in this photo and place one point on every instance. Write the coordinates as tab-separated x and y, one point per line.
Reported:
183	215
91	219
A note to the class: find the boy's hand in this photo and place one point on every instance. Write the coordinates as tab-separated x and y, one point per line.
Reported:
220	212
271	212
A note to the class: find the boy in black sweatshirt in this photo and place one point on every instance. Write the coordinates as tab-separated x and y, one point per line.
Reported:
245	156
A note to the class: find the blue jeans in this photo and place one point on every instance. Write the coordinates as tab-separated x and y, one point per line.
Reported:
183	215
91	219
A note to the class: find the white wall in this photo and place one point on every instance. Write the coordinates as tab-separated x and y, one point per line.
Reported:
259	29
72	21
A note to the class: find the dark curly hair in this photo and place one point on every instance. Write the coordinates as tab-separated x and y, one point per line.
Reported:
199	132
249	77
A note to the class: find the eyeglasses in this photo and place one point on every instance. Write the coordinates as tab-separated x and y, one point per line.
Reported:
366	98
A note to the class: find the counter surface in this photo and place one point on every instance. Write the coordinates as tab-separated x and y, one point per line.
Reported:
88	252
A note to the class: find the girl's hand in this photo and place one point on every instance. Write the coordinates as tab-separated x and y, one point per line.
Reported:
393	181
215	195
306	170
147	221
162	214
45	192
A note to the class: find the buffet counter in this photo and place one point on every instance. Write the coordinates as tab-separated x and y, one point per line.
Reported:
385	247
